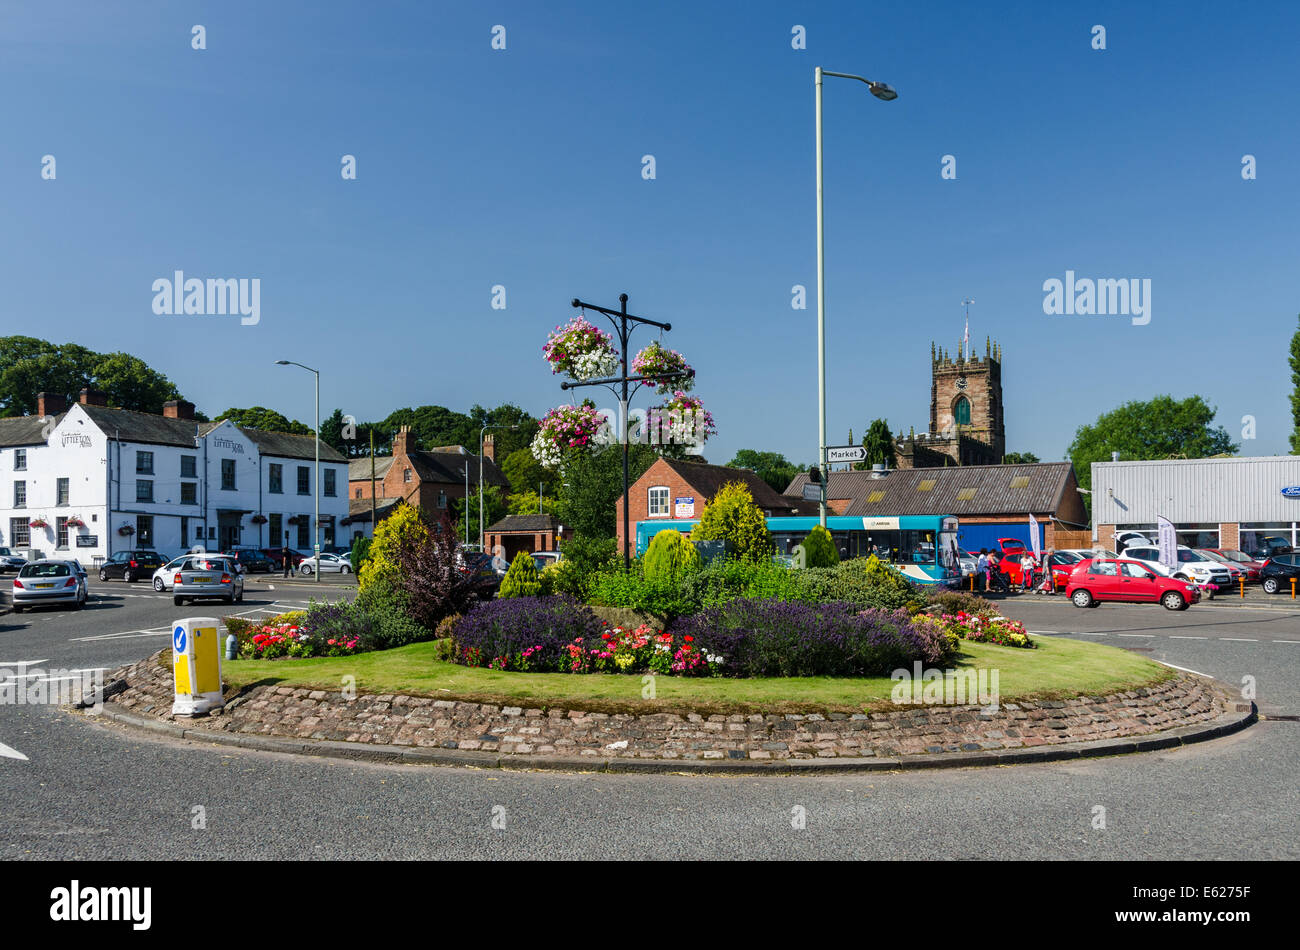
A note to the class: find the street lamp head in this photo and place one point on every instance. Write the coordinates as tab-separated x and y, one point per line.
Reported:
281	362
883	91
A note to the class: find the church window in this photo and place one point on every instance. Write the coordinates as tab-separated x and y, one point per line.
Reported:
962	411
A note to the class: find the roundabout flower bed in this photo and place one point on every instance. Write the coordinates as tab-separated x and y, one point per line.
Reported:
979	628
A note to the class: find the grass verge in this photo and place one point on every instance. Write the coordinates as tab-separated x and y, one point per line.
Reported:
1059	669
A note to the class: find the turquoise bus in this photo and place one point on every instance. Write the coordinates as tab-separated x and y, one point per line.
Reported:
923	548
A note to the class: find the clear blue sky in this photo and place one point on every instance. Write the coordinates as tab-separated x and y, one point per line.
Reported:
523	168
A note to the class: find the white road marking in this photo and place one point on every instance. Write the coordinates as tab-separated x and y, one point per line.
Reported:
21	662
125	635
1174	636
9	753
1239	639
1147	636
1184	669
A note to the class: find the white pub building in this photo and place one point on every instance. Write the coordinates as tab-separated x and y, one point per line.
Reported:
86	481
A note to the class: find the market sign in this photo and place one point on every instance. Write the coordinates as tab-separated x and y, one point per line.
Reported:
684	507
1292	492
846	453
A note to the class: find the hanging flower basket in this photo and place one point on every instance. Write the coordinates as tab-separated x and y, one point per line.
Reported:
126	529
657	359
581	350
682	420
258	519
38	523
565	428
75	522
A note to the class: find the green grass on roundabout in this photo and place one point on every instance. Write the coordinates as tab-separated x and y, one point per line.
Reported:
1059	669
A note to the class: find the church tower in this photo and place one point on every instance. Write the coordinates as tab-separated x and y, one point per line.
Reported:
966	404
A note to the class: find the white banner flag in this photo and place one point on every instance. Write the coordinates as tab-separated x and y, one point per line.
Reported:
1033	538
1168	542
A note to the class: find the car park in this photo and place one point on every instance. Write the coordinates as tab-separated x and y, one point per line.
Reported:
1191	565
9	561
130	566
49	582
1124	580
329	564
202	576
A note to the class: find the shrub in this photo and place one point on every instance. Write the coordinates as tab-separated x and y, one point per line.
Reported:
945	601
431	575
399	530
669	556
775	638
819	549
980	629
616	587
321	630
590	554
523	633
521	580
732	516
359	553
446	625
388	607
723	580
626	617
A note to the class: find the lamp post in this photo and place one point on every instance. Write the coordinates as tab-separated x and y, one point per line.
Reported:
316	492
885	93
481	433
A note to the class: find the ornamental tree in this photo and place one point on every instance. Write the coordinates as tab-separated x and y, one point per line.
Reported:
732	516
521	580
818	549
669	556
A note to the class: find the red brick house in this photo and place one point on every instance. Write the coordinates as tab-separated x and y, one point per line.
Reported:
428	479
515	533
677	489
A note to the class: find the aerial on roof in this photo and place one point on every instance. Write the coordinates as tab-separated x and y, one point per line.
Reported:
955	490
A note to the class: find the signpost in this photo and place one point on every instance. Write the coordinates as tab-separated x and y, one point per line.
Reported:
846	453
812	491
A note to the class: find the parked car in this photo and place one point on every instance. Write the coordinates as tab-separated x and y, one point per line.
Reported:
1242	560
1237	571
1132	539
1267	547
1085	553
49	582
275	554
9	561
1191	565
545	558
1125	580
1276	573
251	560
130	565
203	576
329	564
484	572
163	577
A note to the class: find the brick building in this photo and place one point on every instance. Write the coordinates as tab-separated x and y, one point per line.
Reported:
679	489
428	479
515	533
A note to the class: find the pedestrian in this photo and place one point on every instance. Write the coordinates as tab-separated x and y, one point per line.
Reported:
982	566
284	555
1027	571
1049	582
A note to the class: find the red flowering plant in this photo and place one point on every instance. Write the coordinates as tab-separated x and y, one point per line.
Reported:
681	420
38	522
567	428
655	361
581	350
980	629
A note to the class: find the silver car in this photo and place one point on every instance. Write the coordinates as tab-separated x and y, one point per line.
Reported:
163	577
329	564
50	582
201	575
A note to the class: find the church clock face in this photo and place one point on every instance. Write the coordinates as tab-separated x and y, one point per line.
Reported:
961	382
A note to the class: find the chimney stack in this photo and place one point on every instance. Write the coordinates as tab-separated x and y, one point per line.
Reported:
93	397
50	404
178	409
404	444
490	448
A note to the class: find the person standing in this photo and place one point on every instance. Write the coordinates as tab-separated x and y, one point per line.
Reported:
982	567
1027	571
284	556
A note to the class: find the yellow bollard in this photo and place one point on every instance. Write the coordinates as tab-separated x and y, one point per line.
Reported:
1243	586
972	583
1293	588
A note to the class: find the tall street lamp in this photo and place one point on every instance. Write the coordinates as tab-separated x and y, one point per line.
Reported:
480	479
316	529
886	93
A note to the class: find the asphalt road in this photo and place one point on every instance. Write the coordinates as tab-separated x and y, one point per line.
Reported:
86	790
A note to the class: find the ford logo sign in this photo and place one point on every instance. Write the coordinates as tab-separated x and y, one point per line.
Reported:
1292	492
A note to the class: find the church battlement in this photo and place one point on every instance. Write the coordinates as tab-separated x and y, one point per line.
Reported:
966	421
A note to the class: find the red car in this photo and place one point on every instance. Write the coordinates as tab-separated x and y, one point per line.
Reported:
1126	581
1239	559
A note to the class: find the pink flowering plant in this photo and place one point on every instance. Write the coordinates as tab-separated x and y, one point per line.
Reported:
565	428
655	361
682	419
978	628
581	350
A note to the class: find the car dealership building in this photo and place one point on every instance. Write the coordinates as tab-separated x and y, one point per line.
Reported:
1230	503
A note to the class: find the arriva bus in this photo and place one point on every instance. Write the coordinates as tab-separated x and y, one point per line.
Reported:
923	548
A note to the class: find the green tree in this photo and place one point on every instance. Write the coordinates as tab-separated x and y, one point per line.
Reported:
331	432
401	530
732	516
771	467
1294	360
523	472
669	556
879	443
432	426
506	440
591	484
819	549
1159	428
129	383
521	579
526	503
495	508
29	366
1019	458
267	420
